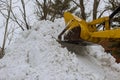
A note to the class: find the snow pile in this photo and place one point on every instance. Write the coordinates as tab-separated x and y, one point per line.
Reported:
37	56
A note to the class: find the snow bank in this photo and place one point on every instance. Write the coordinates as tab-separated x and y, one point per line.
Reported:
37	56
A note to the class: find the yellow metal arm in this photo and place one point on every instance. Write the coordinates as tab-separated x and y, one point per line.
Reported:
88	30
104	20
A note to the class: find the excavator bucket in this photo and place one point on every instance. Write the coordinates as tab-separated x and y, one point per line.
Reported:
71	33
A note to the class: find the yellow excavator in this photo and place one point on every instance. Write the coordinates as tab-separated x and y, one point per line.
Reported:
78	31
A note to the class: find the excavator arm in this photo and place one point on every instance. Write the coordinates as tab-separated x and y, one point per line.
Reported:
78	30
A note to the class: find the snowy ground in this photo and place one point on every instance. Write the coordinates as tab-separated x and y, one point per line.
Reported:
37	56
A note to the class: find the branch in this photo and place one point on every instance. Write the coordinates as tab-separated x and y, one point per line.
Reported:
24	14
76	3
101	13
82	8
15	19
6	27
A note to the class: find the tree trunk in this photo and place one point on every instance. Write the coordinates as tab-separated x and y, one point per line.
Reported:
95	7
82	7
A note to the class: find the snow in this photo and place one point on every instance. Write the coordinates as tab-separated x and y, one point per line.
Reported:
36	55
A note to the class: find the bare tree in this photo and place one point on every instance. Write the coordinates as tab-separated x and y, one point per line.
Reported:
82	8
7	11
83	14
95	8
16	20
21	22
42	9
52	9
9	5
24	15
59	7
111	6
